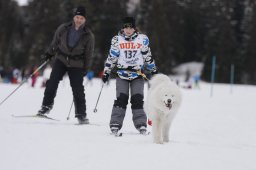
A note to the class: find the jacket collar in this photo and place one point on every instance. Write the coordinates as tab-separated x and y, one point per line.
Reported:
84	27
128	38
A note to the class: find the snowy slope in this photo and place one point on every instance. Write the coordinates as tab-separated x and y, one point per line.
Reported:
209	133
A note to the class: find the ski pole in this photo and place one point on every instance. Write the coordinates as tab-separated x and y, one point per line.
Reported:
70	109
39	68
95	110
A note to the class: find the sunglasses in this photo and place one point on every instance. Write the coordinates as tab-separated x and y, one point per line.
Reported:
127	25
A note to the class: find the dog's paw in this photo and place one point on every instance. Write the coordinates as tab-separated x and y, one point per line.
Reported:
158	141
166	140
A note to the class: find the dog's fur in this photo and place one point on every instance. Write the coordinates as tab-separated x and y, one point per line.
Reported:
161	105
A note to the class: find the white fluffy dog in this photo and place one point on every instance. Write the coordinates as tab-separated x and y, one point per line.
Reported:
161	105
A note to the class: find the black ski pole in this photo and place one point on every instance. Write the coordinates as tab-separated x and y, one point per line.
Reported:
70	109
39	68
95	110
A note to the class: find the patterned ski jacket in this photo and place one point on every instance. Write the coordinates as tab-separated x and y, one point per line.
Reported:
129	55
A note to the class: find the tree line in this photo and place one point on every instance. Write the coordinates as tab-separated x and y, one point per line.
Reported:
179	31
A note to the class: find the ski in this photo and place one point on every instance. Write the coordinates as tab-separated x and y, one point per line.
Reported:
85	124
34	116
117	134
145	133
120	134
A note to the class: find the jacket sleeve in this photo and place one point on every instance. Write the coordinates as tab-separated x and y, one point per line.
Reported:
147	56
54	44
113	55
89	50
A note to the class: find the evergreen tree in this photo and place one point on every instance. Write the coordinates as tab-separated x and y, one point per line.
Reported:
220	39
248	50
43	19
179	31
105	22
11	32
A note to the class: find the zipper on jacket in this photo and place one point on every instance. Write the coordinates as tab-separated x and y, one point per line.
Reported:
68	61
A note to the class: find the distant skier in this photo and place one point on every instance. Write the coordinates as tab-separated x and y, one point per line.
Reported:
89	77
16	74
196	79
73	45
46	74
34	77
129	52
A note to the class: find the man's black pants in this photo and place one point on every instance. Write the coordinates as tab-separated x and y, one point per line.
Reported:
76	76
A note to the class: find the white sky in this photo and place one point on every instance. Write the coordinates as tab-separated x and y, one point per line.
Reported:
22	2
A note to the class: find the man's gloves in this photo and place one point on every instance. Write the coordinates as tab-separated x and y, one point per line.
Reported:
105	77
47	57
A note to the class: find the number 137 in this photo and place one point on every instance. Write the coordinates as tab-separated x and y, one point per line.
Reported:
130	53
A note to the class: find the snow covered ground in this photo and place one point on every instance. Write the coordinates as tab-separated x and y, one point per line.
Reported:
209	133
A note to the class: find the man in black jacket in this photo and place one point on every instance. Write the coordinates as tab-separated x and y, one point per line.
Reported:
73	46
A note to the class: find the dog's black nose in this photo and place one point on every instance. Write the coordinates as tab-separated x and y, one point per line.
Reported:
169	100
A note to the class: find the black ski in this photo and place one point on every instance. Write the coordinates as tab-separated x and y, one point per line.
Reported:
35	116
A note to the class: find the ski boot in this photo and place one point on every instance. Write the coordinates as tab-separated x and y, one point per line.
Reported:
142	130
114	130
82	120
44	110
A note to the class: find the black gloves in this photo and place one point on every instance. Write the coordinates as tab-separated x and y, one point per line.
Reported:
47	57
105	77
154	72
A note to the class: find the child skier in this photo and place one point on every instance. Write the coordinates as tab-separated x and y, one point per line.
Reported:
130	53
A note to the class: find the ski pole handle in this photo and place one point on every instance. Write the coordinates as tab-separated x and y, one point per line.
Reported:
142	74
